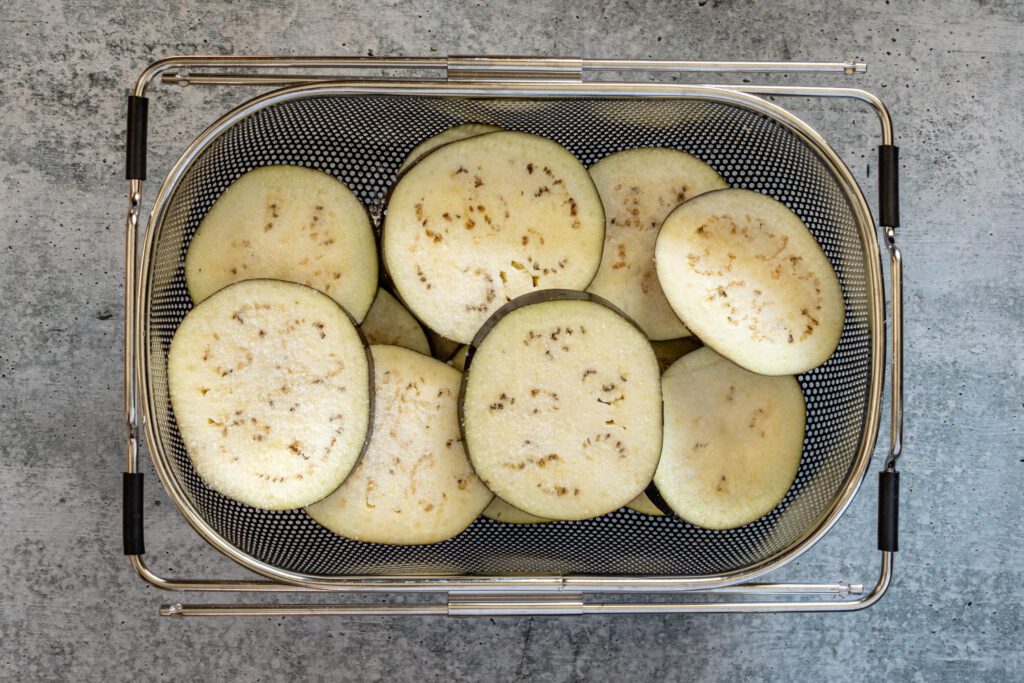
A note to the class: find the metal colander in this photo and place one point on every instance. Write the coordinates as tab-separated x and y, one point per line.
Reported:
361	138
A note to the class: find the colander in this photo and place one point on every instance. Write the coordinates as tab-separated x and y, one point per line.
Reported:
360	131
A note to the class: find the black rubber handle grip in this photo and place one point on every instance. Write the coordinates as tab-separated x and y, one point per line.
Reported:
135	147
889	185
133	541
888	511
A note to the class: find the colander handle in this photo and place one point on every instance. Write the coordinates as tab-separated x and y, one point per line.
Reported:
889	217
135	173
137	131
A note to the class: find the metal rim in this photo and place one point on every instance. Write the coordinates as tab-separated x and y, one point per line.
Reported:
792	123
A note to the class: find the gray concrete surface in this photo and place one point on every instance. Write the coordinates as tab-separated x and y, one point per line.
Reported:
71	608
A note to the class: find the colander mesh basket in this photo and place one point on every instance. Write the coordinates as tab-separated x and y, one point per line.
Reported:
361	140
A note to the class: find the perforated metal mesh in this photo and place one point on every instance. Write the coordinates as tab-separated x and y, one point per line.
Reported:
362	140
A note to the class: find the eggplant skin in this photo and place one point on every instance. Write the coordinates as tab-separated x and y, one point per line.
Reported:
480	221
528	300
650	504
547	295
560	406
441	348
668	352
458	359
500	511
460	132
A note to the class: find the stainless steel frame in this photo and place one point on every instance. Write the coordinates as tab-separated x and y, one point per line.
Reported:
503	596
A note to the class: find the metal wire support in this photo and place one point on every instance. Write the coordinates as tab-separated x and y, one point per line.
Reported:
540	605
478	68
896	273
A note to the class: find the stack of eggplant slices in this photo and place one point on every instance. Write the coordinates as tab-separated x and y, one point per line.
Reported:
531	355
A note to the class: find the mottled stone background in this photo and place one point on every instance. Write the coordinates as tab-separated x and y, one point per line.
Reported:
71	608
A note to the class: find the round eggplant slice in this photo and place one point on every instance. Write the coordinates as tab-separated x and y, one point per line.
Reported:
733	441
270	386
500	511
414	485
466	130
287	223
639	188
561	406
388	322
750	280
480	221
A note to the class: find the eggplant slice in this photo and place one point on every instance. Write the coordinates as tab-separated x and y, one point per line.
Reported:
388	322
441	348
668	352
480	221
414	485
749	279
733	441
500	511
270	386
466	130
458	359
645	506
287	223
561	406
639	188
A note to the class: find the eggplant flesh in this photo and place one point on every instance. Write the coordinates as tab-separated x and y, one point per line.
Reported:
748	278
287	223
733	441
639	188
414	485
